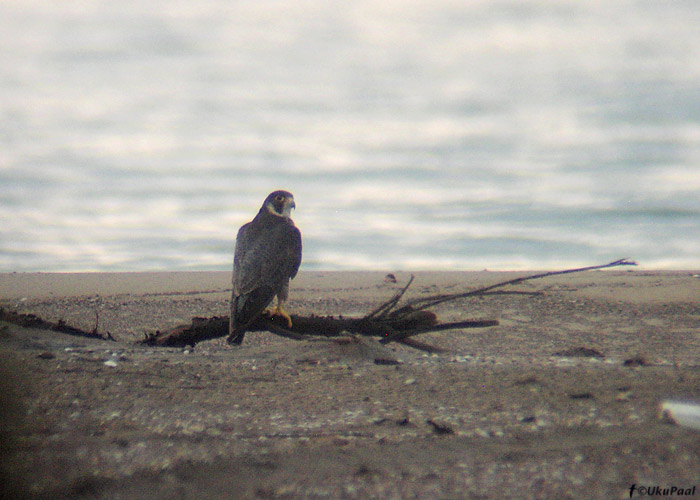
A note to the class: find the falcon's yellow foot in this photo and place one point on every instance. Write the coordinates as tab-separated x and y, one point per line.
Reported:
281	312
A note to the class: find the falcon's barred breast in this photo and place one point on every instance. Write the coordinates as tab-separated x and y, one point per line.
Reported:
267	256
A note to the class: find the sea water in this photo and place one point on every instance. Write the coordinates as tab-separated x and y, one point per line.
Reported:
440	134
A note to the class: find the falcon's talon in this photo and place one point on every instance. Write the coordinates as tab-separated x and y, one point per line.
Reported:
281	312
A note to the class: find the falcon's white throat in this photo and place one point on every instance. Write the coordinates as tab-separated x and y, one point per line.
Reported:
287	211
287	207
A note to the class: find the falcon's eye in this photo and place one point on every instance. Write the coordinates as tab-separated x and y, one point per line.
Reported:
279	198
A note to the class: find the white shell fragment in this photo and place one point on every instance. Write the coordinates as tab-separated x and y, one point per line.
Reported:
680	413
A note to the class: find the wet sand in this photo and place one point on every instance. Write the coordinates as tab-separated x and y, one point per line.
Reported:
561	400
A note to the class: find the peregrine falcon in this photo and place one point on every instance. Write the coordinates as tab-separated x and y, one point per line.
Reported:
267	256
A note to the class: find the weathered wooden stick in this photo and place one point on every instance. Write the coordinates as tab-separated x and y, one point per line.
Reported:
33	321
426	302
398	330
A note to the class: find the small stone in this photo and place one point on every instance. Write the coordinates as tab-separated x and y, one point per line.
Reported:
440	428
386	361
636	361
580	352
623	396
581	395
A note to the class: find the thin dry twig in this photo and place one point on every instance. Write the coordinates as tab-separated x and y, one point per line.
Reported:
389	304
426	302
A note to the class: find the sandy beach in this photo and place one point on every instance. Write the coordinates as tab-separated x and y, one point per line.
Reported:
561	400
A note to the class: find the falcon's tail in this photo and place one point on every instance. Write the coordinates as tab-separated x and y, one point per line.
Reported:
244	309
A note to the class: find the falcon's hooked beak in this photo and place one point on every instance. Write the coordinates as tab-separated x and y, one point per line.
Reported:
289	205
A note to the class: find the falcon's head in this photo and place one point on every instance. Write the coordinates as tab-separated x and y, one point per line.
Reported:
280	203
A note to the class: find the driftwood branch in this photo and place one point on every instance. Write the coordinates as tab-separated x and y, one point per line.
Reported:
304	327
33	321
388	321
